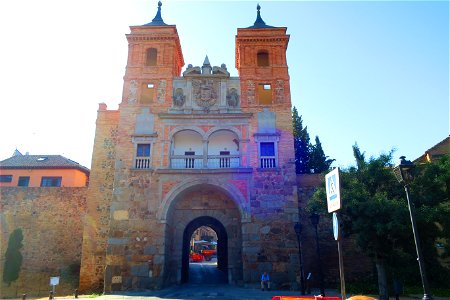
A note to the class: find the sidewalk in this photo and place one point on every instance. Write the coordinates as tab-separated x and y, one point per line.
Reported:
197	291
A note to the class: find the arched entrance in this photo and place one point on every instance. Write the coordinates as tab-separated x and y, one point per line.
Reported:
222	246
203	205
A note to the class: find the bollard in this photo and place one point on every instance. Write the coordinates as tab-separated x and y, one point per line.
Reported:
76	293
50	296
24	296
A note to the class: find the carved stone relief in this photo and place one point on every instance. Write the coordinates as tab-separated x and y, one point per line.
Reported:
250	92
132	91
179	98
232	97
279	91
205	92
162	91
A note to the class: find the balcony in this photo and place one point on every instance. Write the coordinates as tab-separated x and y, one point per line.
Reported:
268	162
204	162
142	163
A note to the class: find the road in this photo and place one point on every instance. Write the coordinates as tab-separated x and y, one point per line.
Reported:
206	272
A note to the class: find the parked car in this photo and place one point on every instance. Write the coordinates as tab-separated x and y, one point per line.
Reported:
208	254
196	257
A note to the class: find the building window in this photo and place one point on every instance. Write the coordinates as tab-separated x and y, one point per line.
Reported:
23	181
224	162
267	155
262	59
147	91
265	93
151	56
143	150
189	161
6	178
51	181
142	156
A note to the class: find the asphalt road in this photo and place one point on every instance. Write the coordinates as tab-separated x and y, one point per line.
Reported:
206	273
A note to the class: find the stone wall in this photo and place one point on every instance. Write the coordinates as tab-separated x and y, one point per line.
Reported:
51	223
99	195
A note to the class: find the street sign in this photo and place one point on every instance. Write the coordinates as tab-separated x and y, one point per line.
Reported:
54	280
336	227
333	193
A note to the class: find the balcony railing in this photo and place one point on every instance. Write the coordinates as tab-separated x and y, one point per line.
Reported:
198	162
268	162
142	163
186	162
223	161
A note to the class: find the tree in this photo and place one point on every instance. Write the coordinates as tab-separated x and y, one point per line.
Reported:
13	257
318	161
430	191
301	144
375	213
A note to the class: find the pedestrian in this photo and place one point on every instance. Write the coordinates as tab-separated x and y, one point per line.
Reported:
265	281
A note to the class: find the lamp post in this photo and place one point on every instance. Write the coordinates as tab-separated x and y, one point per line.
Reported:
315	221
404	172
298	231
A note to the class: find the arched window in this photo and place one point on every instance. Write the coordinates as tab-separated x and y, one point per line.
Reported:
150	60
262	59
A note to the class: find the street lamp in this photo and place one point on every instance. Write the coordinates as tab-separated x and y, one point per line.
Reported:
315	221
298	231
404	172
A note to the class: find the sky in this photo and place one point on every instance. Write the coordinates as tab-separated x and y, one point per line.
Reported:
375	73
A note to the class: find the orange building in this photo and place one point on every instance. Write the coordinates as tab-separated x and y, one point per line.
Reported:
436	152
42	171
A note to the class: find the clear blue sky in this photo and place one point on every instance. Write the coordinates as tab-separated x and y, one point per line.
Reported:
375	73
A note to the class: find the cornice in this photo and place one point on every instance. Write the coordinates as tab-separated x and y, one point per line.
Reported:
206	116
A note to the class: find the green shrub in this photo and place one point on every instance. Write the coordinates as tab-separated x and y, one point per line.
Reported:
13	257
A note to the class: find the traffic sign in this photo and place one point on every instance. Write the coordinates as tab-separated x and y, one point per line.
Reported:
333	190
336	227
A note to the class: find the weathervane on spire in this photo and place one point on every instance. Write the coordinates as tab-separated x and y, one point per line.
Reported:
157	20
259	23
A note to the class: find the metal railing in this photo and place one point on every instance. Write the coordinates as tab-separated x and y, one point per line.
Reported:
186	162
198	161
223	161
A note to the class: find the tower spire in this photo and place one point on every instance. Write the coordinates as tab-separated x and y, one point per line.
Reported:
157	20
259	23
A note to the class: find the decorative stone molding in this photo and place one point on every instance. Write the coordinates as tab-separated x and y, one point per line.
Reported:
251	92
132	92
229	189
279	91
162	91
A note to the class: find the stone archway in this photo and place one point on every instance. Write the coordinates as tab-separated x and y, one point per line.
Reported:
202	204
222	245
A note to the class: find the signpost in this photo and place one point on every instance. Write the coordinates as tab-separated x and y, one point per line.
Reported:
332	187
53	282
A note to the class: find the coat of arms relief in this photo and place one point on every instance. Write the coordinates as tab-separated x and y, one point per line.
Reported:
205	92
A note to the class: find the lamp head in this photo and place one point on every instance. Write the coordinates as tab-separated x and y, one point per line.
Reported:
314	217
404	171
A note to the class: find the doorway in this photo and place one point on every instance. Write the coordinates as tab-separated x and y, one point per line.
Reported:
208	272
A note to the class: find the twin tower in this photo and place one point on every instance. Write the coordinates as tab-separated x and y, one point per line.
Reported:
190	149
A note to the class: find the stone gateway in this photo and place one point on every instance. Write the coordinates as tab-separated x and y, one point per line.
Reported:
192	149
